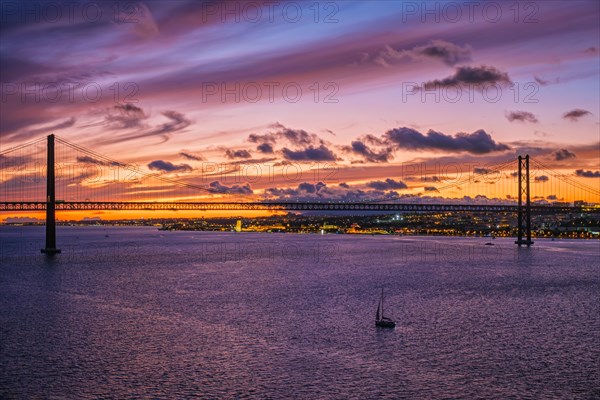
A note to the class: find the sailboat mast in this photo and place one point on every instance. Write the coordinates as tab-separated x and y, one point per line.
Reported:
382	303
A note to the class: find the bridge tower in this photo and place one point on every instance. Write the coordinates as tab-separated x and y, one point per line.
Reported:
50	248
524	210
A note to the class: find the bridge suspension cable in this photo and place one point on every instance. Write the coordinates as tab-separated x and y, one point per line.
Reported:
129	167
24	181
473	177
22	146
22	171
567	179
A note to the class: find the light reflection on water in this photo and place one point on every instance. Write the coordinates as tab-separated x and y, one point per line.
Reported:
145	313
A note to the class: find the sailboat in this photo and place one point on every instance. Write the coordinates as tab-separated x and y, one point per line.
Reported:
380	320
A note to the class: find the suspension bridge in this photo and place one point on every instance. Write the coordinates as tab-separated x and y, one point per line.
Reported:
79	179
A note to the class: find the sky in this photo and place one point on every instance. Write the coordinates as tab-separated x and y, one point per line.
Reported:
294	100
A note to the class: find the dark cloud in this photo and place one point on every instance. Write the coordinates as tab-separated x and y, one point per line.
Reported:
231	154
430	178
129	117
388	184
430	189
91	160
321	153
125	116
481	171
304	146
360	148
344	185
321	192
307	187
521	116
299	137
478	142
296	137
177	122
541	178
563	154
190	156
465	76
592	51
304	188
265	148
310	188
373	140
217	187
281	193
129	108
166	166
446	52
575	114
552	197
320	185
587	174
265	138
449	53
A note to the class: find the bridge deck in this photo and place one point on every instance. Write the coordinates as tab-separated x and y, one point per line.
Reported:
275	206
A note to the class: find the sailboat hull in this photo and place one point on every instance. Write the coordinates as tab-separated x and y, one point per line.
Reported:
385	323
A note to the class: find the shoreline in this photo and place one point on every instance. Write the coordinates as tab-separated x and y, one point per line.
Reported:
408	235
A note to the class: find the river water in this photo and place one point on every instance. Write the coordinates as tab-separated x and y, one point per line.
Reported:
130	312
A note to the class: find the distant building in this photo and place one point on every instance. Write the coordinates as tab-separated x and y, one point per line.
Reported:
329	227
238	225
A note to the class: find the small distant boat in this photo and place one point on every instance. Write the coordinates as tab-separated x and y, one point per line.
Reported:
380	320
489	244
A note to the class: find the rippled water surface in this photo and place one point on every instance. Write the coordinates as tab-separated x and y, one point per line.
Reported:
139	313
